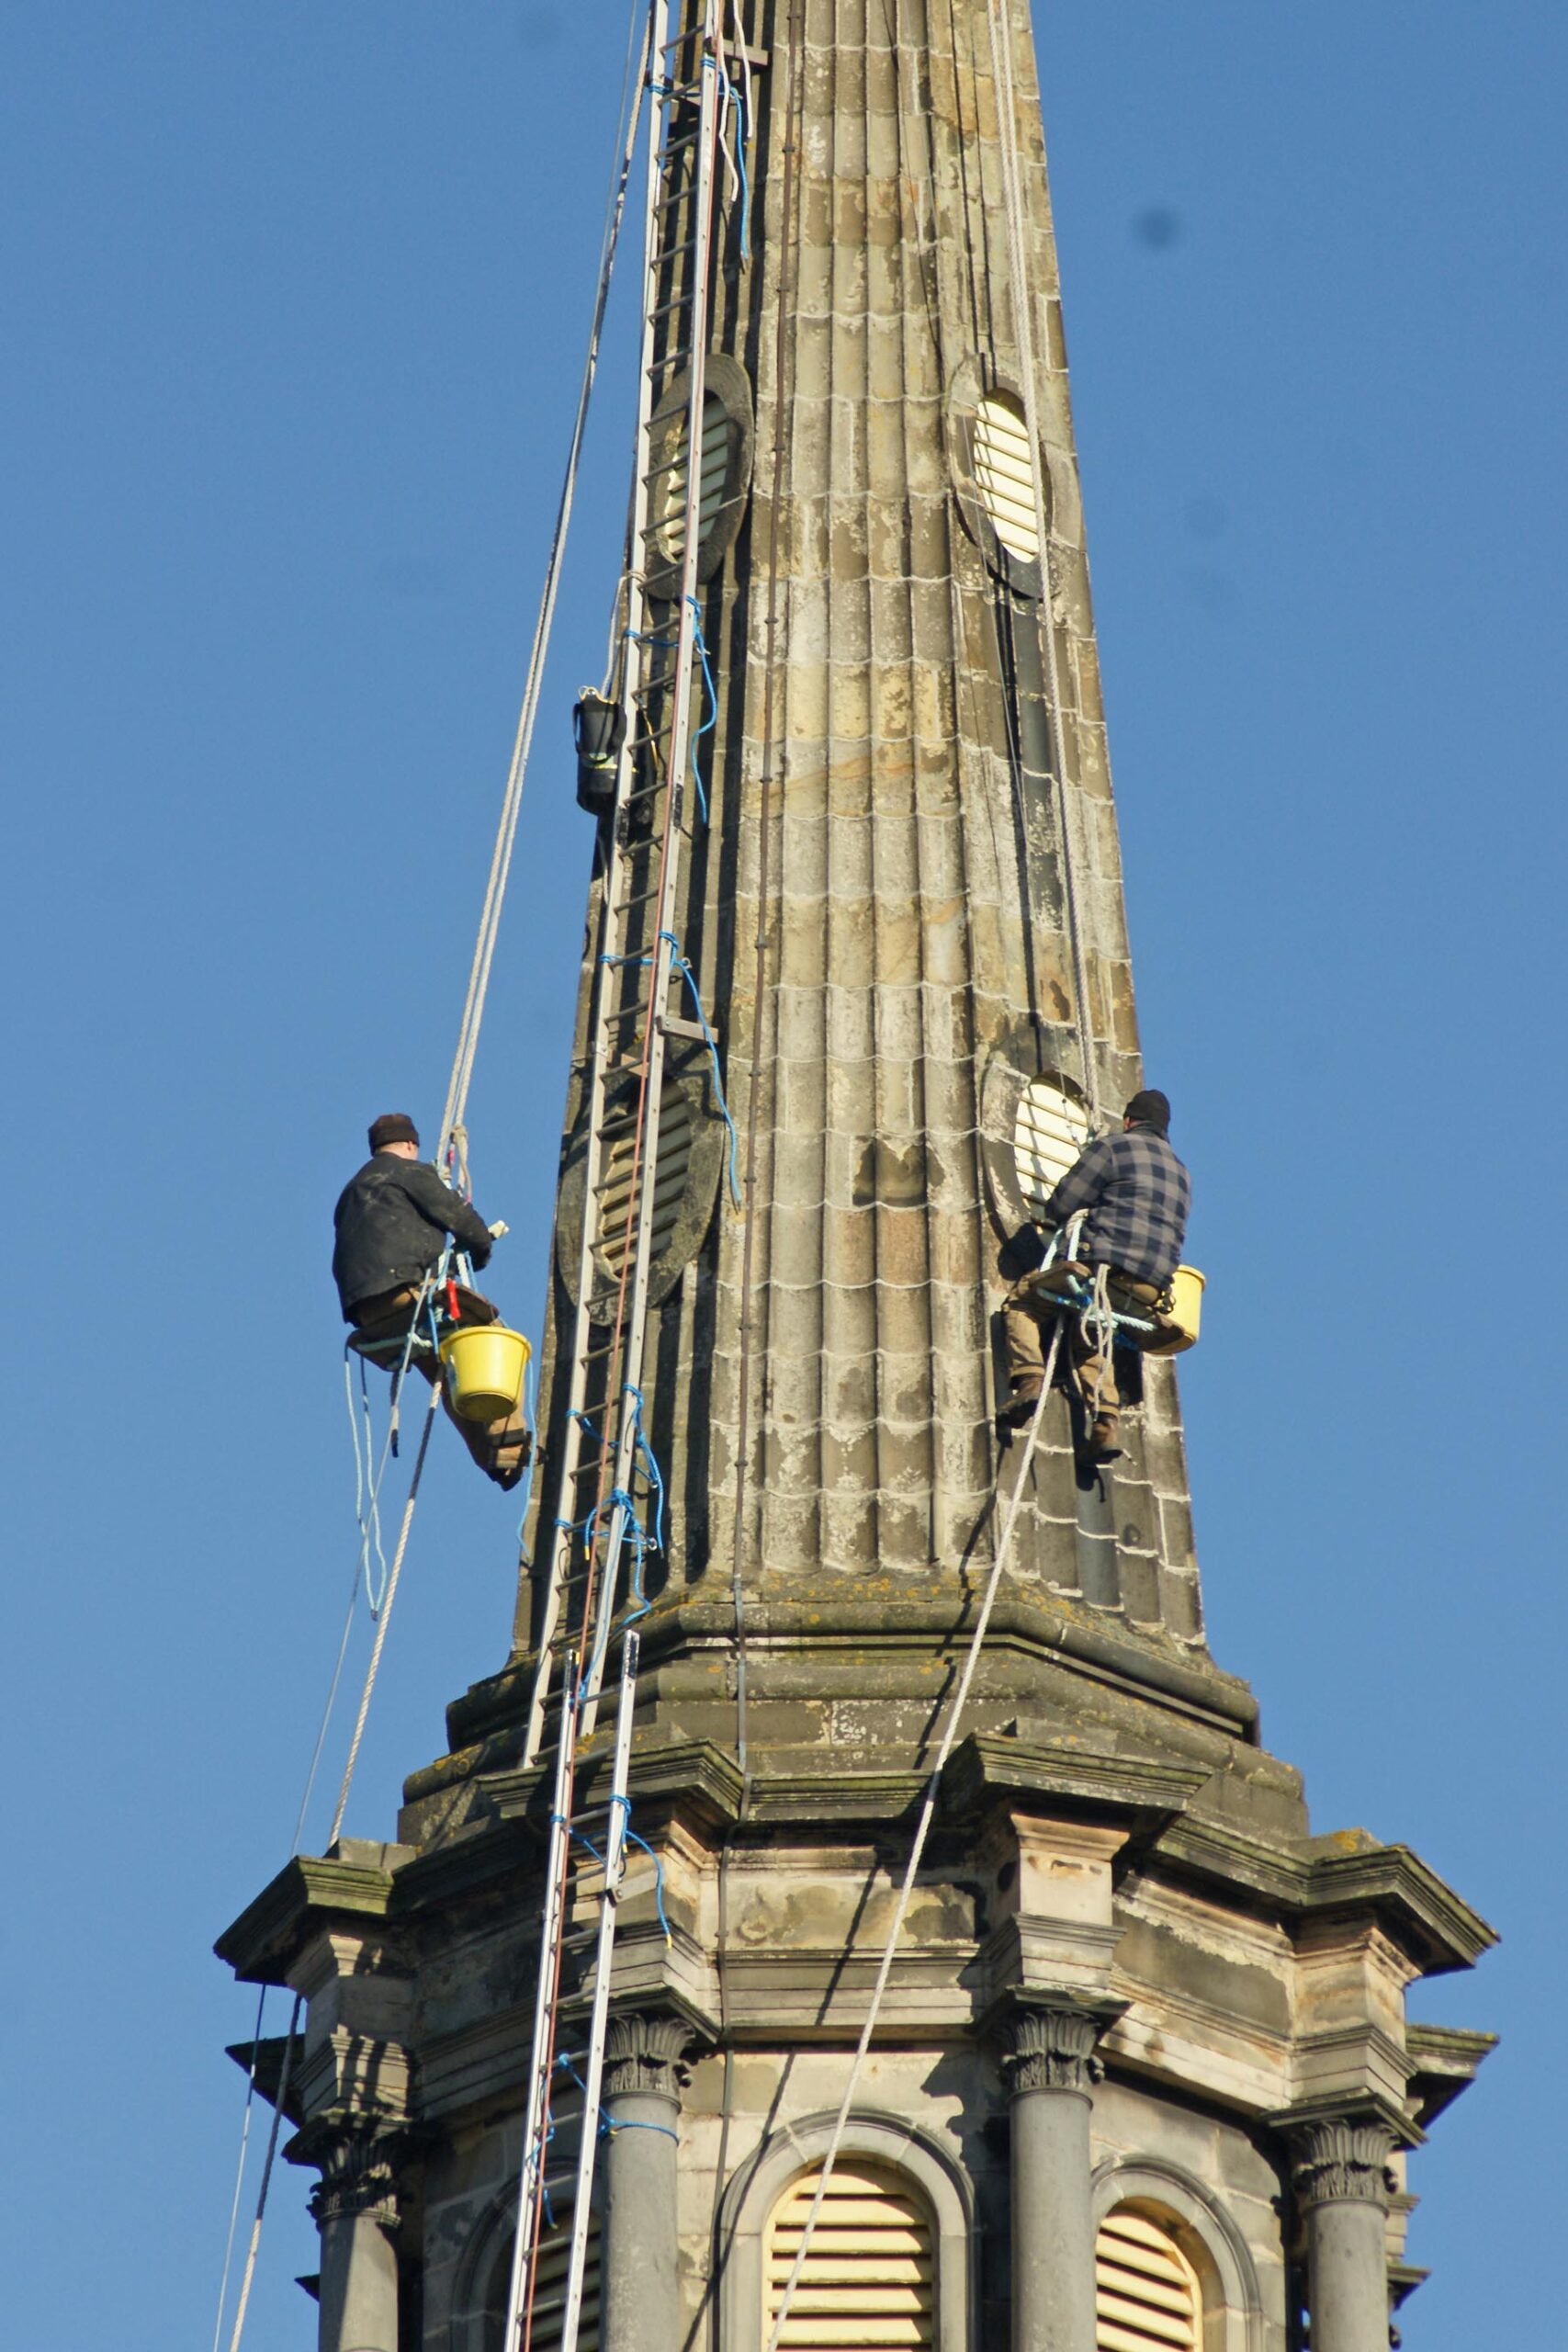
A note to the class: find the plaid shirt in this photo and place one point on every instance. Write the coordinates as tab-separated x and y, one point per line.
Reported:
1138	1194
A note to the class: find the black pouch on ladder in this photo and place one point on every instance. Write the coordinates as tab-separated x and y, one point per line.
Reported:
599	728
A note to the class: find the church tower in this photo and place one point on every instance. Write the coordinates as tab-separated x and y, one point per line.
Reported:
1139	2073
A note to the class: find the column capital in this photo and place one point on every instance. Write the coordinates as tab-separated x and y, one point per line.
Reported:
644	2054
358	2158
1052	2045
1342	2159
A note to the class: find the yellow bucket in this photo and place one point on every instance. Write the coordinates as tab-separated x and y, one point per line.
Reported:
1178	1328
486	1365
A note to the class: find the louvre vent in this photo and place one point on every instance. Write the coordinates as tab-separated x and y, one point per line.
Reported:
1050	1131
868	2277
1004	476
549	2291
675	1138
1145	2291
710	489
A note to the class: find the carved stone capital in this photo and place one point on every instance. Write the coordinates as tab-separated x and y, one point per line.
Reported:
358	2164
1052	2048
643	2054
1342	2157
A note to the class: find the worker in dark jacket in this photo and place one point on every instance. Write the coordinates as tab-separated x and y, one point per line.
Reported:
1135	1196
392	1222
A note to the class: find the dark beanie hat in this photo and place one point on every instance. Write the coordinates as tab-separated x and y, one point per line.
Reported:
1150	1109
392	1127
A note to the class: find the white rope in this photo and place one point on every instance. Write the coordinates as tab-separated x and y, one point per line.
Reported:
916	1851
1023	324
452	1115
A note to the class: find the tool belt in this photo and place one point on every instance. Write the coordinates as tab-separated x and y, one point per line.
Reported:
1128	1293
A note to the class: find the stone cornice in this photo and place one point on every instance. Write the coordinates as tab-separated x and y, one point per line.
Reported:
986	1766
309	1892
265	2058
1341	1875
825	1618
1444	2061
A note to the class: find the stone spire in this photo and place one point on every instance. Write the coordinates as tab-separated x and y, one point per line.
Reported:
878	910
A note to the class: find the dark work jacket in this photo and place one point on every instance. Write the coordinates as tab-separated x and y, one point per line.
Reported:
392	1220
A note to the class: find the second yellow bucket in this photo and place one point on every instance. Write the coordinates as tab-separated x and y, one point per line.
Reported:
486	1365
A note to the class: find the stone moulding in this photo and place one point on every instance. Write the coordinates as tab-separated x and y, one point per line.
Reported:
817	1619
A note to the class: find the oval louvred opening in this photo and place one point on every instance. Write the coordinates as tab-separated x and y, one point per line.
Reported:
1146	2291
1003	475
616	1232
1051	1129
711	481
869	2276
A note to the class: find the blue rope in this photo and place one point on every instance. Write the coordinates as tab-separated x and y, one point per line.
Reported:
740	146
640	1440
630	1835
711	721
679	964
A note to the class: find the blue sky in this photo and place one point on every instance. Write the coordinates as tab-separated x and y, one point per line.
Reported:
295	298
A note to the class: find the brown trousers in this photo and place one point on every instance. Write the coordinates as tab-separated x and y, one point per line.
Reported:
500	1448
1028	1311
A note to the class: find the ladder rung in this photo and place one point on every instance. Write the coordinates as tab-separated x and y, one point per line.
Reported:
673	302
671	359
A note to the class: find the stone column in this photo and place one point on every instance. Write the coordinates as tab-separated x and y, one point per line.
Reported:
1341	2181
1047	2073
640	2301
355	2208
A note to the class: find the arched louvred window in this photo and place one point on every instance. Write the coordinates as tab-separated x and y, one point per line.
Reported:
869	2279
1146	2291
550	2289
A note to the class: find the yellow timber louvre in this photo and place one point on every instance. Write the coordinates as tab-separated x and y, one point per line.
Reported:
1145	2291
549	2296
869	2275
710	488
1003	473
1051	1129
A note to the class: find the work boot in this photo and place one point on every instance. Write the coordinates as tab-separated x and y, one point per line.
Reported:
1102	1446
509	1458
1019	1410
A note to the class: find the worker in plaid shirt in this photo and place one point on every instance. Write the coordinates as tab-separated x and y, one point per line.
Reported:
1135	1194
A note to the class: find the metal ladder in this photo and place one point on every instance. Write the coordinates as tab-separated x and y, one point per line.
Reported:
630	1020
555	1936
629	1016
